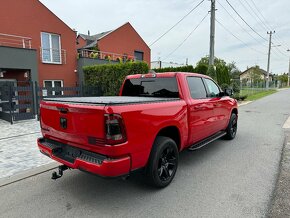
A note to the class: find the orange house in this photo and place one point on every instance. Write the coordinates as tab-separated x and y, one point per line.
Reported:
35	45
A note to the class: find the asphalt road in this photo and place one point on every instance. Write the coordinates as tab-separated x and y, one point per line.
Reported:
225	179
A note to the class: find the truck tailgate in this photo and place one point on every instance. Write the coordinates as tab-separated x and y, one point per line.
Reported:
73	123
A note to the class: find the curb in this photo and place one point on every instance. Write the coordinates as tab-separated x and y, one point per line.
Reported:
244	103
28	173
280	197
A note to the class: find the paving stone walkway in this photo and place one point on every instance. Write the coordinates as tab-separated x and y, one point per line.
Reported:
18	148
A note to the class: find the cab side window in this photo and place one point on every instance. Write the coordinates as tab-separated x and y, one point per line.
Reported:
213	89
196	87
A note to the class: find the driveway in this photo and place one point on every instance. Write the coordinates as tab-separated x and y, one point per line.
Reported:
18	148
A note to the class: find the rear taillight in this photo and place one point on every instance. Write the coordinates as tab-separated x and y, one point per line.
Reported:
115	129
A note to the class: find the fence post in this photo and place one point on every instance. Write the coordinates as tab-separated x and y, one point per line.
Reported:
11	102
36	99
32	97
81	91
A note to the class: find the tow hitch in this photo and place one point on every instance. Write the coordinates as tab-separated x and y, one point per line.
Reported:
61	168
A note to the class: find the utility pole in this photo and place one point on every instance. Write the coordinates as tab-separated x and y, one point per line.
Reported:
269	54
212	33
288	82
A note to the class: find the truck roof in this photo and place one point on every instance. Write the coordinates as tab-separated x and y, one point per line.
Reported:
165	74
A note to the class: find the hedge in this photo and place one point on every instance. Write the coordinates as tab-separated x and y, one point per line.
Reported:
109	77
188	68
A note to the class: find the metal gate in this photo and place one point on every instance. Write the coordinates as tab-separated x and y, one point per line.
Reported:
16	101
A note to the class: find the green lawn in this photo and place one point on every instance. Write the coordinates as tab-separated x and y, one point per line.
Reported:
256	94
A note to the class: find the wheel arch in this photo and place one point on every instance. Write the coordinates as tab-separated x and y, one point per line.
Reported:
234	111
171	132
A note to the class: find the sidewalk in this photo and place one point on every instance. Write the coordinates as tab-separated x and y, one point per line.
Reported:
281	197
18	148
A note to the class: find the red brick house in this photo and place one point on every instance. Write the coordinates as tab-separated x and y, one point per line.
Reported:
120	44
36	45
124	41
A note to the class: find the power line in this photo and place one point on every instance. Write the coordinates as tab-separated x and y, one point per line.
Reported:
246	21
261	17
186	37
238	38
255	13
176	23
239	24
257	9
250	13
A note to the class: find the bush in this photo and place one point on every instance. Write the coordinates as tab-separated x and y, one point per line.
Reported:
188	68
109	77
239	97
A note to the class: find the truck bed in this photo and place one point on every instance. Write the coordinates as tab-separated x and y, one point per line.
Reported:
110	100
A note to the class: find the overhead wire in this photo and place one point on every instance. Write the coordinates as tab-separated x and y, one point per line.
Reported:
186	37
156	40
240	24
246	21
260	52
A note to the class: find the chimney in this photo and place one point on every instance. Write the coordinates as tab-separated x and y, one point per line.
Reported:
88	33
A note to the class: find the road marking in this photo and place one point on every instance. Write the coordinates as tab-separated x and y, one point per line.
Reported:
287	124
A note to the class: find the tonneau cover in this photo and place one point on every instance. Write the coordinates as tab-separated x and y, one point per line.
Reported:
110	100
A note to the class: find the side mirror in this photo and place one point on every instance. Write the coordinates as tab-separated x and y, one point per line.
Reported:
228	92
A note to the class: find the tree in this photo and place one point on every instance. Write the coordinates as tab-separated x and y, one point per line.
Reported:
283	78
220	71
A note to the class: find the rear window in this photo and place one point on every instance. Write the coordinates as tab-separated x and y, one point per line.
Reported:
151	87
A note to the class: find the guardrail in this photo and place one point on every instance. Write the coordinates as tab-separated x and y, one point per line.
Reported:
52	56
93	54
15	41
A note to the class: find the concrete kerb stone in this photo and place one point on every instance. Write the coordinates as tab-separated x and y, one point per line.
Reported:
280	199
29	173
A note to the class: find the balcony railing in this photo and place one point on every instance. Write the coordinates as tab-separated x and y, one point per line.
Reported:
93	54
15	41
52	56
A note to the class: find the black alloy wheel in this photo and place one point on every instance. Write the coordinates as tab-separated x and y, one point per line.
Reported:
163	162
232	127
167	164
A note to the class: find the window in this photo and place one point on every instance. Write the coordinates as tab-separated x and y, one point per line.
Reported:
196	87
50	48
213	89
53	87
151	87
139	55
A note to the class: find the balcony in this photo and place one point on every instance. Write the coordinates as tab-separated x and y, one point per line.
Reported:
101	55
15	41
52	56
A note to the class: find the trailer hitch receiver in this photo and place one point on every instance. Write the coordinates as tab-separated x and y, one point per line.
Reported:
56	175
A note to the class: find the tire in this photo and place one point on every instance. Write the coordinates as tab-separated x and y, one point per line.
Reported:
163	162
232	127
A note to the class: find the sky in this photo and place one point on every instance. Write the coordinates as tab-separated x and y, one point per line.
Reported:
235	41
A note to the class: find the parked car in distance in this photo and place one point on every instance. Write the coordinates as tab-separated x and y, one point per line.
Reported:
154	118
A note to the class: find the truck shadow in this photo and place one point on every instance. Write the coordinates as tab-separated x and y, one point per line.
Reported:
80	183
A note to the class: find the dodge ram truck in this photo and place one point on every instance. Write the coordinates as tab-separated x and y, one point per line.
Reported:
155	116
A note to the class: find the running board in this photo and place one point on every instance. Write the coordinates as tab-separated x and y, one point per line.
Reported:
207	141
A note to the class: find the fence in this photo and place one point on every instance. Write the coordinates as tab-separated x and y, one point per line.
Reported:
21	100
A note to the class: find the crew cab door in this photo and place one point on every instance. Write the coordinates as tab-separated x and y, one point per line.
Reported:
200	110
221	107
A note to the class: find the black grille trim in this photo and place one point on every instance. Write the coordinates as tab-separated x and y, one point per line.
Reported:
70	153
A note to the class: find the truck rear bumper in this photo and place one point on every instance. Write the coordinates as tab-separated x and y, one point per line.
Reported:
77	158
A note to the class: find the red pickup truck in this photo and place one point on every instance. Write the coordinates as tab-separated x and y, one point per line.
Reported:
155	117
